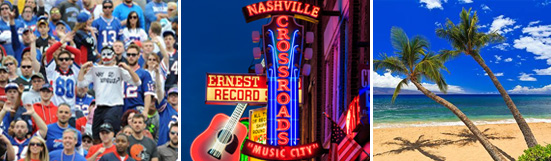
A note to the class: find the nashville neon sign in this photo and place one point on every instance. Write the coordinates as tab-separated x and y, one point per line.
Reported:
265	9
282	43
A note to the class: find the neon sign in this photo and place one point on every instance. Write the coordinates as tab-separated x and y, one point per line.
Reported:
268	152
266	9
226	89
282	44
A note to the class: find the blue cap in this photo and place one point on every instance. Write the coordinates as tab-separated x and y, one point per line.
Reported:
47	86
83	17
169	32
11	86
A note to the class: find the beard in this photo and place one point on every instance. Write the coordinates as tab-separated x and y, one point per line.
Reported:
132	64
174	142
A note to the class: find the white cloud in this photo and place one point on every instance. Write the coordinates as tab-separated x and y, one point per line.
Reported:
510	79
466	1
485	7
539	46
508	60
518	56
495	74
533	23
531	90
387	80
502	24
437	24
498	58
543	71
526	77
431	4
502	46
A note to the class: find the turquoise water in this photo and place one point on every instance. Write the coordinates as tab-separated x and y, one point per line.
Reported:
419	110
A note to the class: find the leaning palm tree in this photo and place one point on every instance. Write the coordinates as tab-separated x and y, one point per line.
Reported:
465	38
415	62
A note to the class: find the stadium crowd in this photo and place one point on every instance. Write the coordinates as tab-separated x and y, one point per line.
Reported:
88	80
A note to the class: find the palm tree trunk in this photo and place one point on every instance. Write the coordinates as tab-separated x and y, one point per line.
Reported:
524	128
492	150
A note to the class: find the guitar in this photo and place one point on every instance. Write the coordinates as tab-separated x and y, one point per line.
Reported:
222	139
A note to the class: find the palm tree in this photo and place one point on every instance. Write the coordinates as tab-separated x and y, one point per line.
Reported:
415	62
465	38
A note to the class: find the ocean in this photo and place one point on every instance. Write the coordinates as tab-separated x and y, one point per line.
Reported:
419	110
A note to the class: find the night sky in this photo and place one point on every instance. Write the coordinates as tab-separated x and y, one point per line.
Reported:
215	39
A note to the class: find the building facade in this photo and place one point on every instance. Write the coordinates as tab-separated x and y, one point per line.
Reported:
338	80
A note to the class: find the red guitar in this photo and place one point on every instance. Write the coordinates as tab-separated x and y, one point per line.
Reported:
222	139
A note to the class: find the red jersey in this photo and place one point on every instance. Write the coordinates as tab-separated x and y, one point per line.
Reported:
95	148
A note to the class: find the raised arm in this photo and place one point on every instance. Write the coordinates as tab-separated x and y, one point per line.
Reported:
42	127
164	53
134	76
84	69
35	63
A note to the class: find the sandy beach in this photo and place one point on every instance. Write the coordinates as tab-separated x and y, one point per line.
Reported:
451	142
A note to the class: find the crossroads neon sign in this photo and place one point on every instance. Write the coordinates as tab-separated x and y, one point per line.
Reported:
282	44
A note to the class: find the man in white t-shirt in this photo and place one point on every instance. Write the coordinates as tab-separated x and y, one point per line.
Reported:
108	79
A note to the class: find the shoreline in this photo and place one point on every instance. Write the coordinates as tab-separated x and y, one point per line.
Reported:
433	123
452	142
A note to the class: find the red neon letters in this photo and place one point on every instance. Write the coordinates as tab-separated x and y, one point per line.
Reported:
283	6
283	97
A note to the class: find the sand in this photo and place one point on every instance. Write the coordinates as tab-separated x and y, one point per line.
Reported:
451	142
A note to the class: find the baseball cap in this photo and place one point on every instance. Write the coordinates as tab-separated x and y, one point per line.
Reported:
42	20
169	32
25	29
60	22
172	90
47	86
39	75
106	1
4	68
82	17
106	127
11	86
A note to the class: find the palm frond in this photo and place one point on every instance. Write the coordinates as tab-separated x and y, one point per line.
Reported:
398	88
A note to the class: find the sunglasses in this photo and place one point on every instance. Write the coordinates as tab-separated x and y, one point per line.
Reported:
9	64
174	132
65	59
107	7
54	12
87	141
26	67
36	144
151	59
133	17
132	54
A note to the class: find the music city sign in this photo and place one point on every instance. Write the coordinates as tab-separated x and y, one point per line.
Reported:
282	43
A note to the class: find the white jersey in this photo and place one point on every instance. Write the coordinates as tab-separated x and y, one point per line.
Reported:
108	84
131	35
63	83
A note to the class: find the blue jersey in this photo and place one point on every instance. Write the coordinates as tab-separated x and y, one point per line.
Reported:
5	124
172	75
19	147
109	31
54	137
134	96
167	116
58	155
121	12
82	104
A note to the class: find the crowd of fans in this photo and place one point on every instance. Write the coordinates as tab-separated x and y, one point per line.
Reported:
88	80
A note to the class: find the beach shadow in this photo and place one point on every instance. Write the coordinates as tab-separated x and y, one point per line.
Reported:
468	138
419	145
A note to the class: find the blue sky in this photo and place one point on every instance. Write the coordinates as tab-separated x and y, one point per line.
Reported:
522	63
